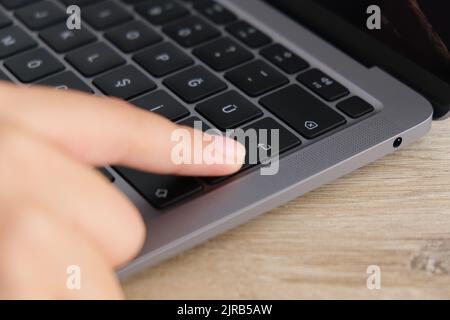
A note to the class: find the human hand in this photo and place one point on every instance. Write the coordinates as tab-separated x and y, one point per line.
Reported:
55	209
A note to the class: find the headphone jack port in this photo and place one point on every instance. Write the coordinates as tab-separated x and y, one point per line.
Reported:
398	142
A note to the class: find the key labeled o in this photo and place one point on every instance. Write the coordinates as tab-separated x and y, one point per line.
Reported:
34	64
230	108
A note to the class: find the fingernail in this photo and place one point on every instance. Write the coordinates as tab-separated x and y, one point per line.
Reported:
230	151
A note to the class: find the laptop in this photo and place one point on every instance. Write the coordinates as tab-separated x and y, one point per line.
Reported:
343	82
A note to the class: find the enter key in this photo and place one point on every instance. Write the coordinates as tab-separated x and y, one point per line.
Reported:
302	111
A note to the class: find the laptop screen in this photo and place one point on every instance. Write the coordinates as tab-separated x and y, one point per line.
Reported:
408	38
418	29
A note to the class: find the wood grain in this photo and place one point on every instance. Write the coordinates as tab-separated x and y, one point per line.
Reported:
394	213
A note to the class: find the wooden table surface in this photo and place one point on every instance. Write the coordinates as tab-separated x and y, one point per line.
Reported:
394	213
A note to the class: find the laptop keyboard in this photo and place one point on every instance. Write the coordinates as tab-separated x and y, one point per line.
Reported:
183	60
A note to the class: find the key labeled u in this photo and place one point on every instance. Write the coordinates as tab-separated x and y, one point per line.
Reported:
230	108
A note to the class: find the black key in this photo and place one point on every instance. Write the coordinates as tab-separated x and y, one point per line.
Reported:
13	40
223	54
94	59
261	149
33	65
302	111
323	85
284	59
265	148
355	107
163	59
162	103
191	31
107	174
256	78
14	4
66	81
196	123
215	12
248	34
195	84
105	15
229	110
4	20
126	83
133	36
41	15
62	39
161	11
4	77
161	191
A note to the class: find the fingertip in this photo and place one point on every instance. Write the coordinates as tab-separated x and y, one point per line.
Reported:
221	156
231	153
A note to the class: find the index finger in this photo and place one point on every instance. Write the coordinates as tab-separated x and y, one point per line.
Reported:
106	131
